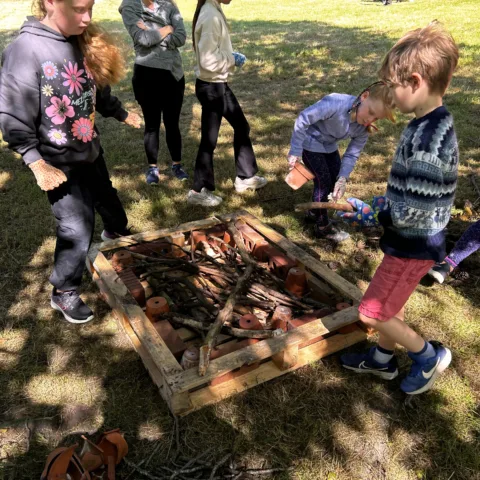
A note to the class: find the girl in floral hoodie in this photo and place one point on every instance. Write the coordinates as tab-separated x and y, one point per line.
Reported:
48	102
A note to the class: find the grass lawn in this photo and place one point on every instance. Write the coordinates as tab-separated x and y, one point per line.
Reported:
59	380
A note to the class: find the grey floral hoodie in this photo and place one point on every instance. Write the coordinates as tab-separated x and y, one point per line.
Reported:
48	99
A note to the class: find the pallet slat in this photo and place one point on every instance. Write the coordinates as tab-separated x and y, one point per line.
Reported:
264	349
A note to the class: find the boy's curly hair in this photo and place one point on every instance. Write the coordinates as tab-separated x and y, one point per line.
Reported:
103	58
430	51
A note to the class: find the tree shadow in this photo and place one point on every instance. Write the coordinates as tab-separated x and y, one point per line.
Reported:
319	415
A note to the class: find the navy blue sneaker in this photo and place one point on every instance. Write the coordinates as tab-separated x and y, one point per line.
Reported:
179	172
152	176
364	363
423	373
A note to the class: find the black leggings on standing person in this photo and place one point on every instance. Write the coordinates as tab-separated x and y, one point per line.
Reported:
158	92
218	101
325	167
88	187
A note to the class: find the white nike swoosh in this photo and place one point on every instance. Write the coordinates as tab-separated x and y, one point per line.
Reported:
429	374
362	366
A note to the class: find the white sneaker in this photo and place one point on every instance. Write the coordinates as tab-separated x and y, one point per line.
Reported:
205	198
253	183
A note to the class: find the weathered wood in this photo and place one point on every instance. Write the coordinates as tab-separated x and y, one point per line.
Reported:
267	371
155	235
264	349
157	376
343	207
141	325
287	358
310	263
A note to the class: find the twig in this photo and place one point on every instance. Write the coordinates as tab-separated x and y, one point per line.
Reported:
192	462
219	464
344	207
476	187
141	471
226	312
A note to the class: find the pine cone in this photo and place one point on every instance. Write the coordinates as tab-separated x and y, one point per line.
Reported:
333	266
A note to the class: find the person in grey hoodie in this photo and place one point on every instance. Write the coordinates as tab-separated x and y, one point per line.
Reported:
157	31
48	101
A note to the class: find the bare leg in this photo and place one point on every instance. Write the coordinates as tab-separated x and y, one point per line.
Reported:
394	331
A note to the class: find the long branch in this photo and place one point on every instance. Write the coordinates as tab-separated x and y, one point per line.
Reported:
226	312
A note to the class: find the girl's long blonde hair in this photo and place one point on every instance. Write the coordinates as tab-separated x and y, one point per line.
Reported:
102	57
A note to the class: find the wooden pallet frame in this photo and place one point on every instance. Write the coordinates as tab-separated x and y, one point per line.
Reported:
186	391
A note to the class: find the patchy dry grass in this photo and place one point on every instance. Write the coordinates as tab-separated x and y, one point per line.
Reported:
58	380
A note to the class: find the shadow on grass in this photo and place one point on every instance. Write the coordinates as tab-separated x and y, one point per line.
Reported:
61	380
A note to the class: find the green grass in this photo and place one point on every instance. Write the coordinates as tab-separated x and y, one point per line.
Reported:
58	380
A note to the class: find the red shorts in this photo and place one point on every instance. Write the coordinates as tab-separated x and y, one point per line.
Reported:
391	286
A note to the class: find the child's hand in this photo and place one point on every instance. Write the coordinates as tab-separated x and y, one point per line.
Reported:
292	160
339	189
47	176
240	59
133	120
379	204
364	216
166	31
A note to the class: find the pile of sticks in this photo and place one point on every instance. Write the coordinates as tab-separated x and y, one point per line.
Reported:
209	288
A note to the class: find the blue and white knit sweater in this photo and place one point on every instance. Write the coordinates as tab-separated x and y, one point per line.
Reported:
421	188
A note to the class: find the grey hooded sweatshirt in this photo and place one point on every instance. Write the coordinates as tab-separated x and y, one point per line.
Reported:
150	48
48	99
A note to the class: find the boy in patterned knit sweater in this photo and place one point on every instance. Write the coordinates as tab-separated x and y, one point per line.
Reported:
420	193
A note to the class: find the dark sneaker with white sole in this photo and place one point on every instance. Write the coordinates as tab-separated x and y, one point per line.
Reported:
440	271
424	372
106	235
71	306
179	172
330	232
364	363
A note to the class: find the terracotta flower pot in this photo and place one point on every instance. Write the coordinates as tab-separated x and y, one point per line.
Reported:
122	259
155	307
250	322
280	317
298	176
190	358
296	282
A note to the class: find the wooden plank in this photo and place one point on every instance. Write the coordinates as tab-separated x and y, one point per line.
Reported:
267	371
122	320
263	349
344	286
287	358
141	325
155	235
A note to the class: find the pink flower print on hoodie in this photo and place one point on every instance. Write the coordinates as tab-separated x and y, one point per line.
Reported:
74	80
60	109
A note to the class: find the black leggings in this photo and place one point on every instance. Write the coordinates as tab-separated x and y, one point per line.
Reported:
218	101
325	167
157	91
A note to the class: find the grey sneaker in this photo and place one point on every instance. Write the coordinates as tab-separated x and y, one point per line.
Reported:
252	183
205	198
71	306
330	232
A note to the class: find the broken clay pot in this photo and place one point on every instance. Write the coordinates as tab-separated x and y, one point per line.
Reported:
280	317
298	176
296	282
